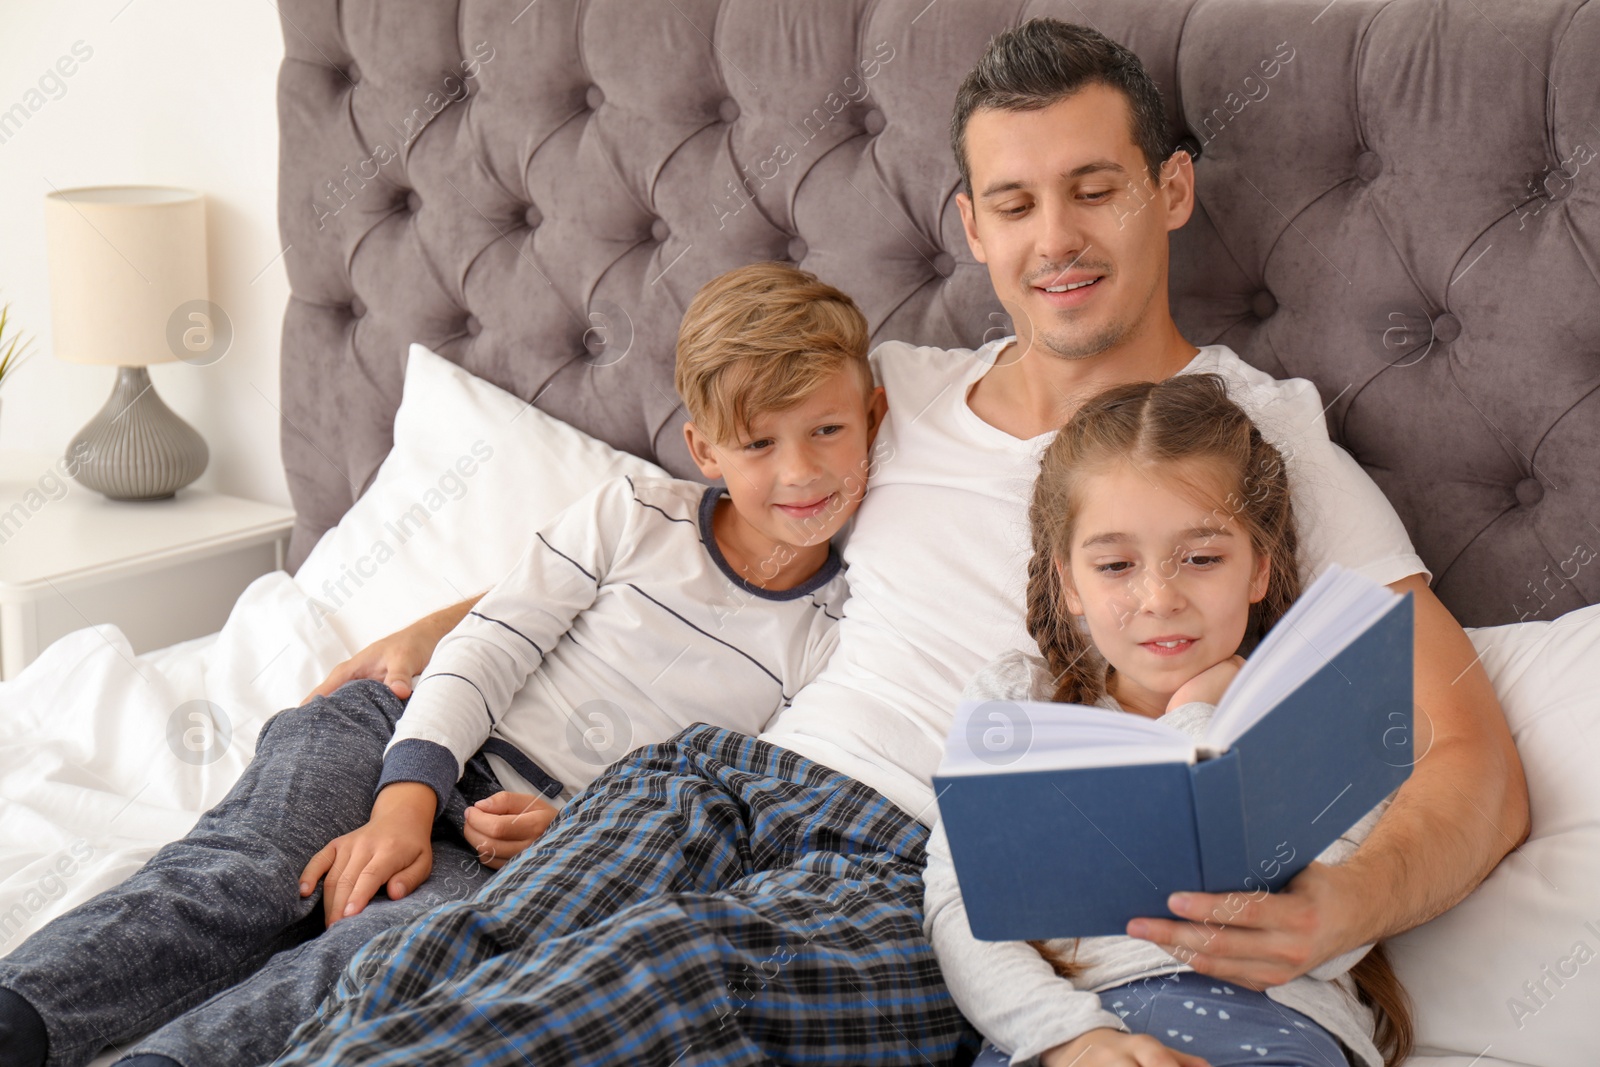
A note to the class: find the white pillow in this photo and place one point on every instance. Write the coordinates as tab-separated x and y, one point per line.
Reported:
1537	915
473	473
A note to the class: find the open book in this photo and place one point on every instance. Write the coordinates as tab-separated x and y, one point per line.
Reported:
1067	821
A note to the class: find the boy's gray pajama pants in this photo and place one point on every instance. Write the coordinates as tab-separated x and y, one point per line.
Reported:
210	944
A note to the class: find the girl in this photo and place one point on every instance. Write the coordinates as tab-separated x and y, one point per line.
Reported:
1163	542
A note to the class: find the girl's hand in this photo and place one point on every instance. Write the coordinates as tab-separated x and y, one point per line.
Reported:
503	825
1105	1047
1208	685
393	851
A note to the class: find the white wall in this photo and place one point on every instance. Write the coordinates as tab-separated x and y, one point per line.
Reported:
174	92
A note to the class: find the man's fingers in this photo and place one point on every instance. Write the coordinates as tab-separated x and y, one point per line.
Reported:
337	677
398	681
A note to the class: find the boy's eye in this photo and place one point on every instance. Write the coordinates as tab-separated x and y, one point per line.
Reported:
754	446
830	430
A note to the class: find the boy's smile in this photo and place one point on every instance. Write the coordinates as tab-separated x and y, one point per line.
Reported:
794	478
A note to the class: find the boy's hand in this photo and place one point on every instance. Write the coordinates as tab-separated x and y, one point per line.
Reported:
393	847
1113	1048
1209	684
503	825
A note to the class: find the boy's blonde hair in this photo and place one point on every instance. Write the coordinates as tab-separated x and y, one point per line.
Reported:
762	338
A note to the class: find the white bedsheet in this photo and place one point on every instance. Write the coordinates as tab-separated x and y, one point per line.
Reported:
91	779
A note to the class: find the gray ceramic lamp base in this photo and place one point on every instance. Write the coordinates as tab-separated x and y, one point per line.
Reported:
136	448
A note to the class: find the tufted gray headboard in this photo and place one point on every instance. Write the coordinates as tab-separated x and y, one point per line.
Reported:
1398	199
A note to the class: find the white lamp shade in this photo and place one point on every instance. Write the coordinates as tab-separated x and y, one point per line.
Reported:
123	261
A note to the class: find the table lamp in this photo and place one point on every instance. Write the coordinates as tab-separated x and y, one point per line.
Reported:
127	273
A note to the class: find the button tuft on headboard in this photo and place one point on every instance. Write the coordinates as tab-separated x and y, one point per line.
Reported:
472	326
413	201
1368	166
1446	327
1263	305
1555	185
873	122
532	217
660	231
944	264
797	249
358	307
594	97
728	110
1529	492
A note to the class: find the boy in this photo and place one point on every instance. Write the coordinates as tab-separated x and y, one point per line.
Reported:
624	611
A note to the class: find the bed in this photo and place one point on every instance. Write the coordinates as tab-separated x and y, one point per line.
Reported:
1395	202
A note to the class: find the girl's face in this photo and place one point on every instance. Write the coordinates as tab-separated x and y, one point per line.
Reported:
1164	582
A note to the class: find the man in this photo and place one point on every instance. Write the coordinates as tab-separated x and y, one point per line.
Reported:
726	899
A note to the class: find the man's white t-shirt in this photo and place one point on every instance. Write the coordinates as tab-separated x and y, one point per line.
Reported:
938	556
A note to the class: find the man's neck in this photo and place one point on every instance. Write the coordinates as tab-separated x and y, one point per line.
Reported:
1028	393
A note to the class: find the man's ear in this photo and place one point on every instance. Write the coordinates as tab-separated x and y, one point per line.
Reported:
1069	592
702	451
969	223
1177	188
877	408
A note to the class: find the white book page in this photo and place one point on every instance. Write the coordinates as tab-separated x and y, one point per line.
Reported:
1340	606
1019	735
1004	735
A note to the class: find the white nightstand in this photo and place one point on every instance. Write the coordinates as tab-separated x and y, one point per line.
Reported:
164	571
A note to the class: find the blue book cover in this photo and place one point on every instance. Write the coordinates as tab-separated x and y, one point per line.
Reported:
1079	852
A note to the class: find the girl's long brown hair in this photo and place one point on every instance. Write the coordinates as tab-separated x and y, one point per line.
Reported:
1163	427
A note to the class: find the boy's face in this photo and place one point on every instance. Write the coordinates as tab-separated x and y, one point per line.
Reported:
798	474
1061	197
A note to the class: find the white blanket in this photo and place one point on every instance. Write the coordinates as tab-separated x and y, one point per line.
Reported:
105	756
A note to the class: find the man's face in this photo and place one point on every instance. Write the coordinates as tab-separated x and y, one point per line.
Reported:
1069	221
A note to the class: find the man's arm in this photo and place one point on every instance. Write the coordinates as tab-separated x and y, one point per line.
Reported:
1464	807
396	659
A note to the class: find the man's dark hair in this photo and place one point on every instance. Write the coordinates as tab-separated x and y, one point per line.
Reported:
1044	61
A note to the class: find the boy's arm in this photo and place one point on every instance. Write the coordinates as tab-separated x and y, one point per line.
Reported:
392	850
1463	808
482	662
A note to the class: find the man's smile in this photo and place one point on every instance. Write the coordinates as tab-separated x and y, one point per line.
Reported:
1069	290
